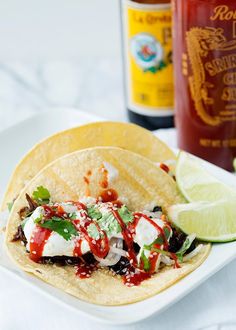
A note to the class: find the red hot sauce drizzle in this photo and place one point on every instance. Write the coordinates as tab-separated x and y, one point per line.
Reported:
79	205
109	195
164	167
77	249
153	260
38	239
84	270
135	277
87	183
126	233
159	229
104	180
174	257
49	212
100	247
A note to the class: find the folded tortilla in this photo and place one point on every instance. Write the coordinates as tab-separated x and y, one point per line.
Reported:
126	136
139	183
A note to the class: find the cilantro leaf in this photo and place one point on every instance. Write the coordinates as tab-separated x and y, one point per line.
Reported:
94	213
73	216
155	249
167	232
186	245
10	205
146	263
38	220
109	224
63	227
93	231
165	253
41	195
56	218
125	214
159	241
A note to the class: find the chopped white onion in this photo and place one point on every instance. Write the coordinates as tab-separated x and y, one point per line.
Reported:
118	251
113	257
166	260
118	235
193	253
110	260
191	238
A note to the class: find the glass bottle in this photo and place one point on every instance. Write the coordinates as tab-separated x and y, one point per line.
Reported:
205	78
148	68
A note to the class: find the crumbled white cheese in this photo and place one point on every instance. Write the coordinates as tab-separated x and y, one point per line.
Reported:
145	232
38	212
104	208
69	207
28	229
56	245
30	225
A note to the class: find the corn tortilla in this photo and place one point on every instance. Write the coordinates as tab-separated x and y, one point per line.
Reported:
123	135
140	183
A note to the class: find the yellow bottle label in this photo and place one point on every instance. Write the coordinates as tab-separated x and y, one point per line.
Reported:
148	58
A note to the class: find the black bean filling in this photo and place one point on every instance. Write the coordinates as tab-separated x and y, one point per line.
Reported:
135	246
175	243
32	204
60	260
157	209
177	240
27	210
19	235
120	268
88	258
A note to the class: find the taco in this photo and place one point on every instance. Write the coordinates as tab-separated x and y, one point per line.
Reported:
123	135
93	223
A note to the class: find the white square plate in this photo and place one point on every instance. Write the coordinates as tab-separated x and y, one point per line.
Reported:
14	142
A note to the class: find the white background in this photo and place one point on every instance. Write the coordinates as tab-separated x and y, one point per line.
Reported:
46	30
60	53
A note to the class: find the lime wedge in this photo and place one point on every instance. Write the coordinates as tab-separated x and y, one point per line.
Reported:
212	222
196	184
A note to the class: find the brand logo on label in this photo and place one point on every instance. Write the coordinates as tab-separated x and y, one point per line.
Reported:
223	13
147	52
210	55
